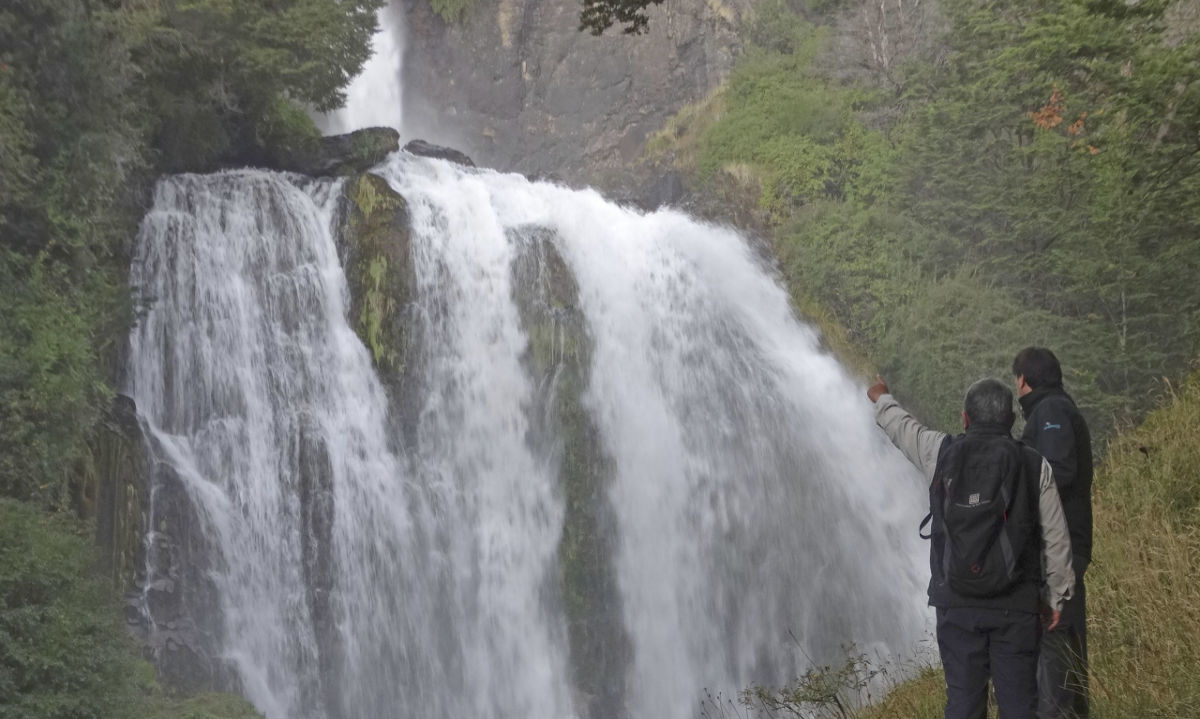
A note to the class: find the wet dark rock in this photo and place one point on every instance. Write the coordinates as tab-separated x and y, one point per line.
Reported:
341	155
113	492
428	149
174	609
662	191
559	360
374	244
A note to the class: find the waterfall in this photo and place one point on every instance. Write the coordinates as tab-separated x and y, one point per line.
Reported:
758	522
751	493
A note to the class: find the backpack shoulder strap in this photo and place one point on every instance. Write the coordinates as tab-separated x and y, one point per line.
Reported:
935	488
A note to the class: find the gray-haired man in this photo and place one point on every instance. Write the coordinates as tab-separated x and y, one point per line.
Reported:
996	519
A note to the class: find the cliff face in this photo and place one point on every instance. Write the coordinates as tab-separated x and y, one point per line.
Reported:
517	86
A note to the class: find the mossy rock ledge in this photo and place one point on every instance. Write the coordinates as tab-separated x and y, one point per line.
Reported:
338	155
558	358
375	246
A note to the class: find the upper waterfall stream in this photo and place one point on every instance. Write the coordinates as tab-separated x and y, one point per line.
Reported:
751	518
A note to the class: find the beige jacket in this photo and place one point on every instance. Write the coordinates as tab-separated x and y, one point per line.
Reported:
921	444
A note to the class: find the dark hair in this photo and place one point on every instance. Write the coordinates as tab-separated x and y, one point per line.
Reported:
989	401
1038	366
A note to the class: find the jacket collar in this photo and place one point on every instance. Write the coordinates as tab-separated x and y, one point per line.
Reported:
976	429
1031	400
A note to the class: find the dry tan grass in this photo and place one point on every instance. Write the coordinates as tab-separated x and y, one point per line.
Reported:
1143	592
679	140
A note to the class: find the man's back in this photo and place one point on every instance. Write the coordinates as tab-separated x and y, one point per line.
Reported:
988	637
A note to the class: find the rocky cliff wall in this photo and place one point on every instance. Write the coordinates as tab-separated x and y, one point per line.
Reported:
518	87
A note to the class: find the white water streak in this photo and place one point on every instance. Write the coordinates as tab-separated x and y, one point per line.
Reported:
374	98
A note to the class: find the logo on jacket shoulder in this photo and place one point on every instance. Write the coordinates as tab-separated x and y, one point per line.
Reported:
1051	426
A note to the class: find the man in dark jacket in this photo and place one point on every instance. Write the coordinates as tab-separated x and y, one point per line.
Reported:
1056	429
991	634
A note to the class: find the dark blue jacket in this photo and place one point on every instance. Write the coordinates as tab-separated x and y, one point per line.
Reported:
1056	429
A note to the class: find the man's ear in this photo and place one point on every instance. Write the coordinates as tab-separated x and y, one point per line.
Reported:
966	420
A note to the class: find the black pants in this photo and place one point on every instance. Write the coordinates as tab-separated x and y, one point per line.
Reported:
976	644
1062	663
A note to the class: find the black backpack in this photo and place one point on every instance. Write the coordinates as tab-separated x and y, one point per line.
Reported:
981	505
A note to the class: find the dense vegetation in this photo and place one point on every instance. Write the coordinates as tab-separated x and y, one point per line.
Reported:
63	652
96	97
1023	173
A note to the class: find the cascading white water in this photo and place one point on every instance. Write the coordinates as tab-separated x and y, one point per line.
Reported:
352	582
751	496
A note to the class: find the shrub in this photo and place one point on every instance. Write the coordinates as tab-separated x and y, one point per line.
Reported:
63	653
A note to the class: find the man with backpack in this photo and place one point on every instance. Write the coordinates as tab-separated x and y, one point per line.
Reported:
995	519
1056	429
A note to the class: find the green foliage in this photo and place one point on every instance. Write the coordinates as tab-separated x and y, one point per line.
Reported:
74	132
286	130
794	129
826	691
201	706
50	385
1039	184
452	11
63	651
218	71
1142	591
849	689
68	206
599	15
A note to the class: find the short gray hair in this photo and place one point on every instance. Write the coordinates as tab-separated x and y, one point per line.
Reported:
989	401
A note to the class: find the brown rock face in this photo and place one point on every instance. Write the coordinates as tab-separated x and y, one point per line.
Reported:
517	87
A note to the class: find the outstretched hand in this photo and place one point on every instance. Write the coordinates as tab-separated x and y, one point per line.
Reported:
877	390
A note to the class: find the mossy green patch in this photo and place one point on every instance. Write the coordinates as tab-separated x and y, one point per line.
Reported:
379	271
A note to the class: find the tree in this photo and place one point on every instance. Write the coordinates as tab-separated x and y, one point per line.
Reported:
599	15
219	72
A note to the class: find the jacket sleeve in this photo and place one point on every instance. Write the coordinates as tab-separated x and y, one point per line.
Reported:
918	443
1054	438
1056	542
